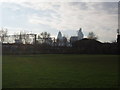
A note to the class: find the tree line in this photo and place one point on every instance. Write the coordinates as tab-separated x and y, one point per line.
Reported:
89	45
32	38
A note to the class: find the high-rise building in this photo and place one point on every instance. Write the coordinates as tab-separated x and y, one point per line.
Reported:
118	40
78	37
80	34
118	36
61	40
59	36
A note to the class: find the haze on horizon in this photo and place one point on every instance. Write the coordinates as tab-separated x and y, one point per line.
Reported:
67	17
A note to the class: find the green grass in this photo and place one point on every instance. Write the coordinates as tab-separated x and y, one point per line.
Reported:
60	71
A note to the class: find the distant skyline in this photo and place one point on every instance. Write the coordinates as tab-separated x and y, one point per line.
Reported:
67	17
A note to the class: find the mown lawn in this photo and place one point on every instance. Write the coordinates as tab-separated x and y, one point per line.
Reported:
60	71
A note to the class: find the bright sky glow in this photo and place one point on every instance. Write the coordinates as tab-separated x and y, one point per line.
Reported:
67	17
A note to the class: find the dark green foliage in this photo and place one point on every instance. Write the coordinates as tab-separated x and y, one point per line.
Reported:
60	71
91	46
84	46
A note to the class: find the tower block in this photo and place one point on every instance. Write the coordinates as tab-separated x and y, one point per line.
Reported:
118	40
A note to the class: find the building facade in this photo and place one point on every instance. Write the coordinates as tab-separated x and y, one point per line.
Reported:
79	36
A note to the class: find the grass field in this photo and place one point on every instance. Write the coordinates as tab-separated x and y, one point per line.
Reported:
60	71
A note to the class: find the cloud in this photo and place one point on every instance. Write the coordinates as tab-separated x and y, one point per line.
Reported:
58	1
94	17
71	17
100	18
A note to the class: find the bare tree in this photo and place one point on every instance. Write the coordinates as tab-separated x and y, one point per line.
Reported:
27	37
92	35
64	40
44	36
3	34
22	37
16	35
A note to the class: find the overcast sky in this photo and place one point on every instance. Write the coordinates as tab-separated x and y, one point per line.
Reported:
67	17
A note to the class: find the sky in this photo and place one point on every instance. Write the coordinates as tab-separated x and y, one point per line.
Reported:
67	16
